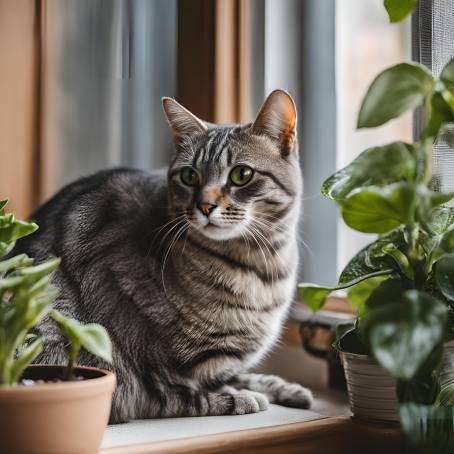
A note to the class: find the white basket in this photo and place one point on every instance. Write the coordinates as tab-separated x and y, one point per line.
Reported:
372	391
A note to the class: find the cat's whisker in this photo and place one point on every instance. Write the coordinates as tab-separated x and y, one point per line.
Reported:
298	233
175	238
273	249
161	228
163	239
252	233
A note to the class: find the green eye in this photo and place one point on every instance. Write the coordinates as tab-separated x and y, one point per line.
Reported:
189	176
240	175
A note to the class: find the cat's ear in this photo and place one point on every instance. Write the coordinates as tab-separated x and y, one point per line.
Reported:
182	122
277	119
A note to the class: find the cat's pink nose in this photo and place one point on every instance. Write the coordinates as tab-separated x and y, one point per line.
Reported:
206	208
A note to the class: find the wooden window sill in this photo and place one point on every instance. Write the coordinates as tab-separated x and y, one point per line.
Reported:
341	435
278	430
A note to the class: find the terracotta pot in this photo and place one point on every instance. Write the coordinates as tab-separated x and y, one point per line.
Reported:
61	417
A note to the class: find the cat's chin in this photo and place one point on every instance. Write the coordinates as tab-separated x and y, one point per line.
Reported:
220	233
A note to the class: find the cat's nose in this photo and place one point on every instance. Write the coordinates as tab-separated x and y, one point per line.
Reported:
206	208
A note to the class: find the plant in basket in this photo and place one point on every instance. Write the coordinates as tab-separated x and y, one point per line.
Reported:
402	284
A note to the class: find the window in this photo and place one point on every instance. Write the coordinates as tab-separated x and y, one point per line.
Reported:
360	56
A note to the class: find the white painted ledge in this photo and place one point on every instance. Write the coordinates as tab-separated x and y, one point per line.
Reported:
155	430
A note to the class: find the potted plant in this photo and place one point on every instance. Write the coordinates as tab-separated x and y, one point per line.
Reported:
397	353
52	409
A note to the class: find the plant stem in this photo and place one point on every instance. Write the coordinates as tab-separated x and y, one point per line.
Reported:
69	370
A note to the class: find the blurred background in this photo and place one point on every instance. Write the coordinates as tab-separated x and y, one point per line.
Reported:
81	83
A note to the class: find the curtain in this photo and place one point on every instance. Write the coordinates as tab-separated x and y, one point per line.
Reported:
19	94
83	81
81	86
107	63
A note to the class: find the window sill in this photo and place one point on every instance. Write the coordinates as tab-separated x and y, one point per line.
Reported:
277	430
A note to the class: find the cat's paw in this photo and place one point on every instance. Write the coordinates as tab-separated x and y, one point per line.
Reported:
282	392
241	402
246	402
294	395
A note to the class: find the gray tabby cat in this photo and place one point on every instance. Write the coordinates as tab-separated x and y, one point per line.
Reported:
191	273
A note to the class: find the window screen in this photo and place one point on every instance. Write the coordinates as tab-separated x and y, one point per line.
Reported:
433	46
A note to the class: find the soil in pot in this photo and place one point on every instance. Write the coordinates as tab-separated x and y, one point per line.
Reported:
56	416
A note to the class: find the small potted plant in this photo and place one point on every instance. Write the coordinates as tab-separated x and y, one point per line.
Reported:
397	354
52	409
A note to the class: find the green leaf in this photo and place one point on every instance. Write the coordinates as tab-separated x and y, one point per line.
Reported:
441	113
446	379
6	248
356	267
401	259
35	273
398	10
18	261
375	166
315	295
348	339
447	240
441	220
446	396
25	358
444	276
387	292
376	254
422	389
92	337
371	258
447	75
402	334
17	230
429	428
394	91
379	210
358	295
341	331
432	199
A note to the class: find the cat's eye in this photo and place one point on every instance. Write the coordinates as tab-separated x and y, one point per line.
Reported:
241	175
189	176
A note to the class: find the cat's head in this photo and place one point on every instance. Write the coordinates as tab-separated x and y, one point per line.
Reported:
229	180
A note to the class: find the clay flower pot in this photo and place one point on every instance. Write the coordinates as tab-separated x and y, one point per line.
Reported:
60	417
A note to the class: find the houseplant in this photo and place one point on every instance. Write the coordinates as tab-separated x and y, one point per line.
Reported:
402	284
54	409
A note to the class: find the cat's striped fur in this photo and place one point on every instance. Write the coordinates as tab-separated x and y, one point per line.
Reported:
192	302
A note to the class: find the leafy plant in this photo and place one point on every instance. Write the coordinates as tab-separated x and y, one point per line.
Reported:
26	297
402	284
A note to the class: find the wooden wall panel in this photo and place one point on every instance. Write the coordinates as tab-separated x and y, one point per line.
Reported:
214	59
19	89
195	80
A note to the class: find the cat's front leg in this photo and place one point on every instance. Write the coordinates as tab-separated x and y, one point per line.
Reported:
276	389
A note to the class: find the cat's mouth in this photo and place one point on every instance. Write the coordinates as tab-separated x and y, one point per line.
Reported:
212	225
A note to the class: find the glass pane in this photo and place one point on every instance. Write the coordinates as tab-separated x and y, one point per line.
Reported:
366	43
